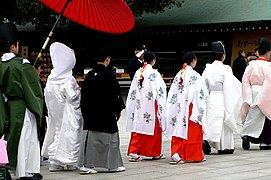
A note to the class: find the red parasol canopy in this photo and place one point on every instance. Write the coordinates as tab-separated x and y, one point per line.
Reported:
112	16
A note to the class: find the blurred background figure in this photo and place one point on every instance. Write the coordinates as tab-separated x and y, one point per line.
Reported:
239	65
137	61
254	56
43	127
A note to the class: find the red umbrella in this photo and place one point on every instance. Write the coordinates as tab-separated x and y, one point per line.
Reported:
111	16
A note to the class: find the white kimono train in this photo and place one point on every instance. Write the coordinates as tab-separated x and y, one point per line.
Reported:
256	97
223	104
62	97
180	97
141	101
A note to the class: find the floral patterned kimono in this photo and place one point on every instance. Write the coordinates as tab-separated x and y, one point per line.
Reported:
186	115
146	107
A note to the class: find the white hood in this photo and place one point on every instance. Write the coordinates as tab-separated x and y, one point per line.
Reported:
63	60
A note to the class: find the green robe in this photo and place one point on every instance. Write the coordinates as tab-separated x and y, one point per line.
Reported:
21	85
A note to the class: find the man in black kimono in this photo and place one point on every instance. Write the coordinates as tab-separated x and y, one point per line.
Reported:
101	106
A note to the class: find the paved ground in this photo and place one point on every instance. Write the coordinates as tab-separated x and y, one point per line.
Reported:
252	164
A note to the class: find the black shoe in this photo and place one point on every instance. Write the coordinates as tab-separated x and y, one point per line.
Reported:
36	176
245	143
226	151
265	147
206	147
28	178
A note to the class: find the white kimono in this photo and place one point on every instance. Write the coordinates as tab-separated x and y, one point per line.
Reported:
62	97
256	97
141	101
180	96
223	104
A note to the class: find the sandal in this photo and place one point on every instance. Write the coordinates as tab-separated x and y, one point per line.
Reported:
175	161
162	156
84	171
132	159
91	171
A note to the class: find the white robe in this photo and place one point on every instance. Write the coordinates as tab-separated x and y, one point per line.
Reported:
29	147
62	97
179	99
223	104
256	97
141	102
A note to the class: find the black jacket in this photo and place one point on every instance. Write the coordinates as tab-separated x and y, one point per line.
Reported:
238	67
101	100
133	65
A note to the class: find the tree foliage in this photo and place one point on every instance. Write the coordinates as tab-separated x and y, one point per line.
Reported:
152	6
32	11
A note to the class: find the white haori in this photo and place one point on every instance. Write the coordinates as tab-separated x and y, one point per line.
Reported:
254	121
28	157
224	94
141	102
257	78
191	91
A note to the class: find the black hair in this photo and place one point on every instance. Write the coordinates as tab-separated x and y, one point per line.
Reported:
149	56
264	46
188	57
5	46
102	54
217	56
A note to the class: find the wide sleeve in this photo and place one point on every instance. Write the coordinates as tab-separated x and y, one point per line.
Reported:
120	103
73	93
199	104
32	91
86	100
172	107
161	101
246	94
131	103
206	84
232	99
265	98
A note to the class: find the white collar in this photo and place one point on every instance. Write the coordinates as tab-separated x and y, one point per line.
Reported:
218	62
140	60
8	56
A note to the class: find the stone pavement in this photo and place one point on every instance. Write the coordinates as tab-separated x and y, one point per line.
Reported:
252	164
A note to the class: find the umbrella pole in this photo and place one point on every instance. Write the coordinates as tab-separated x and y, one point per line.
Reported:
51	32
